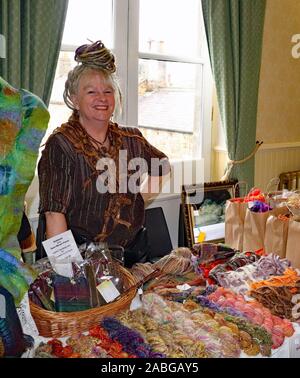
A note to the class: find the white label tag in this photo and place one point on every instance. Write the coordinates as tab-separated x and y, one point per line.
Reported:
62	250
136	302
26	318
2	307
108	291
183	287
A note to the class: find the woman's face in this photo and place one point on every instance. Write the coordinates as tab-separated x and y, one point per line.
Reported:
95	98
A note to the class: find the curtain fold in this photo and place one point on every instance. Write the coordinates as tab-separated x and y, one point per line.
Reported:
234	31
33	30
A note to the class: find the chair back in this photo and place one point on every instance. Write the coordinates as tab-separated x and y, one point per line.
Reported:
160	243
289	180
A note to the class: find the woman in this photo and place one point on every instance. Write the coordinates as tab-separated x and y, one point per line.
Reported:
73	170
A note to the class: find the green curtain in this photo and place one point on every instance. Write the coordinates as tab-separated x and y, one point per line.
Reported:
234	30
33	31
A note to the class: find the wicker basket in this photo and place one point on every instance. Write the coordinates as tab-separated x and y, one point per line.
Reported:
60	324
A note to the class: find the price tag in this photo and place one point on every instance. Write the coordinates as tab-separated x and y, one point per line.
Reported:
108	291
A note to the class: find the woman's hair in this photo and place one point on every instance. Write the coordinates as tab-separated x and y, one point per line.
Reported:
95	57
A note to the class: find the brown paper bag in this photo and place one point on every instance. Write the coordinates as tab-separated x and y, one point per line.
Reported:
276	235
234	223
255	227
293	243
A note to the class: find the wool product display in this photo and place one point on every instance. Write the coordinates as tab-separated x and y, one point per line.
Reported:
241	279
163	338
131	340
141	270
23	122
255	313
96	344
196	328
289	278
211	268
177	262
256	333
278	299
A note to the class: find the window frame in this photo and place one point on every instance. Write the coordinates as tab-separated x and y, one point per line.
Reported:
125	29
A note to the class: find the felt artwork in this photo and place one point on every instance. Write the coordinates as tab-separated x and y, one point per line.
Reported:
23	123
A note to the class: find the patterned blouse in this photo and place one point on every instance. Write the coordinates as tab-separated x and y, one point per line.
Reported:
68	185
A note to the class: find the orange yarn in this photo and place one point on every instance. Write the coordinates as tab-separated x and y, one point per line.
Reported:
289	278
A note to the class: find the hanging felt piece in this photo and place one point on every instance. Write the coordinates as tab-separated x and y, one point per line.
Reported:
12	341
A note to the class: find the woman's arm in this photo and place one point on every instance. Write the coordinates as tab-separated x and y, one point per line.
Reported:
55	224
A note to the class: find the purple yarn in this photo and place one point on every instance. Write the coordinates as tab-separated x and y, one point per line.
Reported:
209	290
132	341
205	302
260	207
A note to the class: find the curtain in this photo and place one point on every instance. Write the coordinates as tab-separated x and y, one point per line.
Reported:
234	30
33	31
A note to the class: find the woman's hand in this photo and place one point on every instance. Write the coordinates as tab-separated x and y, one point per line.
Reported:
56	223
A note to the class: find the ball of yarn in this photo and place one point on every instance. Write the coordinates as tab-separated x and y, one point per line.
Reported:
96	54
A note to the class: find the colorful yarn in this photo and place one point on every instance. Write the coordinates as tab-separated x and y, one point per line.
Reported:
131	340
258	334
289	278
255	313
195	326
260	207
176	262
163	338
278	299
240	279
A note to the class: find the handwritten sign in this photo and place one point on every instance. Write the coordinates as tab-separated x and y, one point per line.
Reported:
62	251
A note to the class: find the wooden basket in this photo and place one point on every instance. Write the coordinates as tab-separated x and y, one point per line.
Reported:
60	324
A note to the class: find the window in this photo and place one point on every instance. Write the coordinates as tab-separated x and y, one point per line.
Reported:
162	66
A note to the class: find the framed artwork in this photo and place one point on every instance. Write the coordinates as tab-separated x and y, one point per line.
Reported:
204	210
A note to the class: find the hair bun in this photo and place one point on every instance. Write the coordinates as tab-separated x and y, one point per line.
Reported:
96	54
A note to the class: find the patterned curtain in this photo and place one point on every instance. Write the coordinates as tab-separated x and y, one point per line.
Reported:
234	30
33	31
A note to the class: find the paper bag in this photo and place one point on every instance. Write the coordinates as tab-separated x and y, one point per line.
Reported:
293	243
235	211
276	235
255	227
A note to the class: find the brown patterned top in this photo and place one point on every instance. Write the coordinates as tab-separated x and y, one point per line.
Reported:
68	185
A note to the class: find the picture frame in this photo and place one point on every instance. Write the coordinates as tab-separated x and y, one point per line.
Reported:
203	208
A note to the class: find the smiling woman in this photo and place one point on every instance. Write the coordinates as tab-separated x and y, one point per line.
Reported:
68	169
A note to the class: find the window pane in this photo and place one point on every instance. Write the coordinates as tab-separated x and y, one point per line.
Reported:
88	20
171	27
168	94
170	100
175	145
